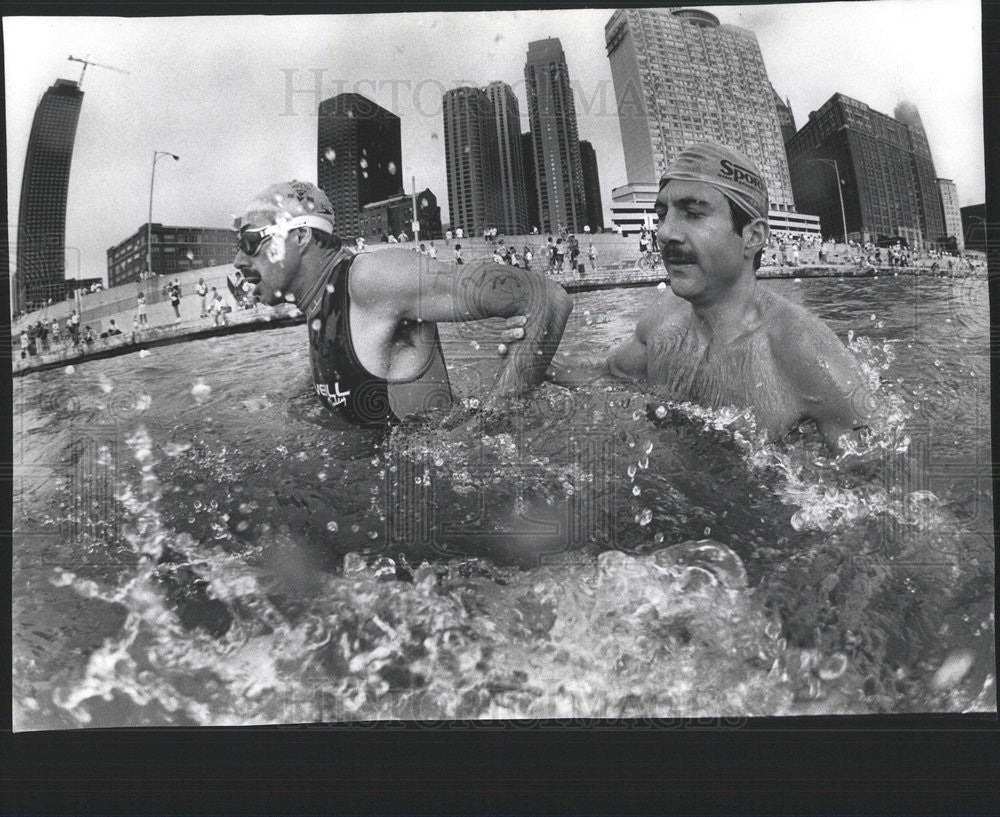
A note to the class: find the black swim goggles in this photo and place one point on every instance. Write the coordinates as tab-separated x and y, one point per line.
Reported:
251	238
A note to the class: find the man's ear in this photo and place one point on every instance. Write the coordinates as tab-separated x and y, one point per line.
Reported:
755	235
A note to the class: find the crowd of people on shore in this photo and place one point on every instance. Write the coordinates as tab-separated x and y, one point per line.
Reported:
559	255
41	336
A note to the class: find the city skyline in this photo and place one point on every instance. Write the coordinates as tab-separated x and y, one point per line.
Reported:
214	87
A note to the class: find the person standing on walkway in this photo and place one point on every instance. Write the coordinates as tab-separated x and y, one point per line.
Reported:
574	253
140	310
74	327
175	299
202	291
592	255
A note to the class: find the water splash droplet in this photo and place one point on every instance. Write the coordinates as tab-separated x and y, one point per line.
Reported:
201	391
330	154
364	164
332	526
392	168
645	517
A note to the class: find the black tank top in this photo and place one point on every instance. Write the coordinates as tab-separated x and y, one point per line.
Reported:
348	389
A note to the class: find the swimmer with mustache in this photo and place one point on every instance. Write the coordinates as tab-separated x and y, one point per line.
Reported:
720	338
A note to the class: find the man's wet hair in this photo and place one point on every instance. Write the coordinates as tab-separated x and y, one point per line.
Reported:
741	218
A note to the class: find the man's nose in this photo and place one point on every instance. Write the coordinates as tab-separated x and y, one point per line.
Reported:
668	232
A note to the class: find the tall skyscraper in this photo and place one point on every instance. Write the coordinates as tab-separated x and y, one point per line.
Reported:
359	157
786	120
475	196
507	121
552	113
530	182
882	178
41	228
680	77
923	169
592	187
952	212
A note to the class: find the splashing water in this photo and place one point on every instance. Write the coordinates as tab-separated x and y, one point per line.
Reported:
549	587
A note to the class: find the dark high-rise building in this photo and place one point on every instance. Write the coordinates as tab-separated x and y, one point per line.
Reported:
507	121
175	249
786	120
359	157
41	228
552	113
885	170
592	187
923	168
475	196
681	77
530	183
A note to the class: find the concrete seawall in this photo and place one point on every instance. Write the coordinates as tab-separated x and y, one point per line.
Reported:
164	331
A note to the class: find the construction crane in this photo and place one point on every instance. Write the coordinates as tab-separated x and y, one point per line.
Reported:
91	62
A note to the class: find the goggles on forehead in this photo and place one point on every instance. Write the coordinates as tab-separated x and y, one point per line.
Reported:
251	238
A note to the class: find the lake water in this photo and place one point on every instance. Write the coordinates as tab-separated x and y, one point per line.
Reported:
196	544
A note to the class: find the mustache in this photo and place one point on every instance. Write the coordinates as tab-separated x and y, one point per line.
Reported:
674	257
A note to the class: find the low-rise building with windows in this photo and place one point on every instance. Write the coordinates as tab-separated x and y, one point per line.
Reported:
175	249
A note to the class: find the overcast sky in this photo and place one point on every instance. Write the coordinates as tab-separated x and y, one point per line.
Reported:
236	97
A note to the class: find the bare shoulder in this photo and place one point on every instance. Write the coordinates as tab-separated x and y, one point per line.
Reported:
630	360
797	335
809	352
666	310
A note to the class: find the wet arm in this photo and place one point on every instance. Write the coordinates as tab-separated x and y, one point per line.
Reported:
834	390
417	288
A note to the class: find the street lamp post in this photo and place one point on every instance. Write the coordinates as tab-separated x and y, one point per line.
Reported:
149	224
840	193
